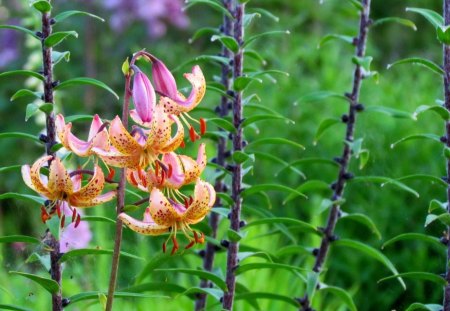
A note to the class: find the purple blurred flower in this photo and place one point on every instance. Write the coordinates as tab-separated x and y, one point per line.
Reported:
10	45
154	13
71	237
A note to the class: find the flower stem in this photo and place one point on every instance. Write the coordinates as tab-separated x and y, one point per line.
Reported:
53	243
233	248
208	260
120	206
343	175
446	52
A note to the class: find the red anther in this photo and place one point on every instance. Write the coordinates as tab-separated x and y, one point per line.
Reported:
140	174
77	222
111	174
201	240
63	221
164	247
44	215
191	200
163	176
182	145
195	236
192	134
186	203
202	126
133	180
74	214
169	172
190	245
175	245
156	169
144	182
58	210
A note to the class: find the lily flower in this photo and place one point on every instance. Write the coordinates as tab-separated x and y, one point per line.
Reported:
164	214
141	148
144	99
77	234
61	187
175	102
172	172
98	136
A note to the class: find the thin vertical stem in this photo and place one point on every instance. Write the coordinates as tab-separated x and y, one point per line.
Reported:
120	206
446	52
233	247
50	141
343	175
208	260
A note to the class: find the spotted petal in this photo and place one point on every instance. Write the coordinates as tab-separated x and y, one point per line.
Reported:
193	169
204	198
32	177
121	139
161	210
93	188
59	180
146	227
117	159
103	198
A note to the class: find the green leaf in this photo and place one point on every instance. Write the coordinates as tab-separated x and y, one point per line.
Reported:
79	117
414	237
20	196
265	13
204	31
98	218
372	252
59	56
249	17
383	181
63	15
194	291
50	285
271	187
270	296
342	294
94	296
275	159
10	168
201	274
27	73
155	286
323	126
364	220
283	220
310	185
42	6
441	111
264	34
434	18
15	308
47	107
240	157
54	225
264	117
25	92
30	111
418	275
222	123
364	155
421	62
416	136
244	255
398	20
321	95
241	83
20	135
274	141
21	29
43	260
443	218
213	4
421	306
57	37
86	81
227	41
311	284
330	37
267	265
357	4
94	251
443	34
234	236
437	205
395	113
431	178
19	238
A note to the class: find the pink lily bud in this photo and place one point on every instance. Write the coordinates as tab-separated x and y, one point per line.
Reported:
144	96
163	79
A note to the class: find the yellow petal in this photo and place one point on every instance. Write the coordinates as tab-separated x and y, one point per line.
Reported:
118	160
59	180
93	188
176	140
160	131
146	228
161	210
32	177
103	198
121	139
204	198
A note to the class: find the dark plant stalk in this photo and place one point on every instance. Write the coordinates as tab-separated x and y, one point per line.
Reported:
235	215
222	109
446	52
344	175
120	206
50	141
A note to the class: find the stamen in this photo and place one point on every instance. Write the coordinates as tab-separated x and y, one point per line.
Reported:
111	174
58	210
63	221
140	174
133	180
169	173
191	200
186	203
164	247
196	237
192	134
201	240
77	222
163	176
202	126
156	169
175	245
44	215
190	245
74	214
182	145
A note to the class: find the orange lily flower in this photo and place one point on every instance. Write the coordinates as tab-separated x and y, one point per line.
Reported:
61	186
164	214
98	136
141	148
171	173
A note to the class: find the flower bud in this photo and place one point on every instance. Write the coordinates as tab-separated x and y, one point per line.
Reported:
144	96
163	79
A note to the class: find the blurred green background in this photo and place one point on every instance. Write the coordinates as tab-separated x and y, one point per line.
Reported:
99	52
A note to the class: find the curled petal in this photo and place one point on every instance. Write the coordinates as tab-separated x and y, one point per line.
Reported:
204	198
103	198
144	97
61	130
163	79
93	188
175	141
95	126
59	180
160	131
193	169
116	159
146	228
32	177
121	139
161	210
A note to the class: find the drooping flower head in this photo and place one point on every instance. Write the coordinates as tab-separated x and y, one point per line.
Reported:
164	214
144	99
60	187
